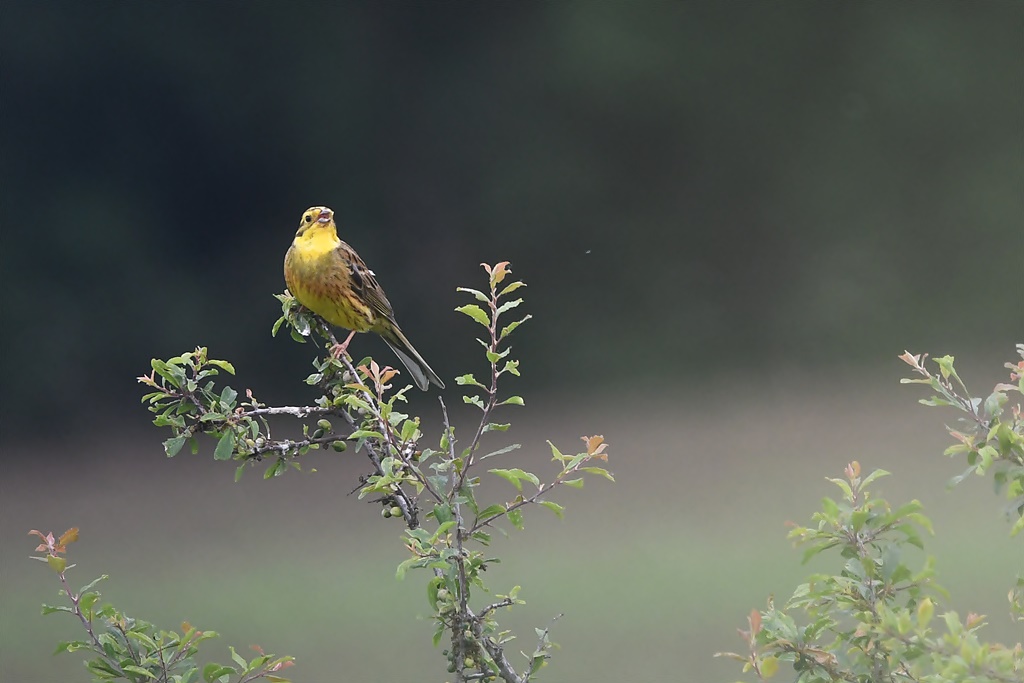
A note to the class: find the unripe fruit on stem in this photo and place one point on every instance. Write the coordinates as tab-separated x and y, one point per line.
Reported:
396	511
386	513
443	594
317	433
324	425
468	662
339	446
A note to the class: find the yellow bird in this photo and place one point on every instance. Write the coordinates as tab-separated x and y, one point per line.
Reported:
328	277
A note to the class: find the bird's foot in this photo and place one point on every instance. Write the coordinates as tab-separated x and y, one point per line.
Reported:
339	350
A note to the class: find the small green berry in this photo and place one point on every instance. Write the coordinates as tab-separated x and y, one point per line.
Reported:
317	433
386	513
396	511
324	425
339	446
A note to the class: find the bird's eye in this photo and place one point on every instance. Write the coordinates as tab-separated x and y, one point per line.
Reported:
308	218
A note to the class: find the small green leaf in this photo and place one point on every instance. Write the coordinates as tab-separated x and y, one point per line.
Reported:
516	518
238	659
223	365
515	477
476	313
131	668
365	434
574	483
508	329
225	447
512	401
556	454
511	288
508	305
213	672
50	609
443	513
227	397
554	507
468	379
173	445
89	586
945	366
57	564
404	566
480	296
600	471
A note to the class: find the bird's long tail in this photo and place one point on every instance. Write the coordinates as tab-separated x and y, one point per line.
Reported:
421	373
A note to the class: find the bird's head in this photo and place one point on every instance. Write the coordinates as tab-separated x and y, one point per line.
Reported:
316	218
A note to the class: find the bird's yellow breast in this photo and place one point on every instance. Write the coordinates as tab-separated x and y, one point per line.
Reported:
322	282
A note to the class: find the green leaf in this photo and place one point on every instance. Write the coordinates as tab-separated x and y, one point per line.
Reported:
877	474
556	454
515	476
480	296
510	328
493	357
131	668
443	513
141	637
476	313
508	305
554	507
225	447
227	397
365	434
50	609
89	586
277	326
497	426
511	288
173	445
214	672
473	400
574	483
516	517
468	379
512	401
599	471
238	659
57	564
88	599
223	365
404	566
945	366
491	511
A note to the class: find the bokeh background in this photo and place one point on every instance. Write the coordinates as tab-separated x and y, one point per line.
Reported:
732	217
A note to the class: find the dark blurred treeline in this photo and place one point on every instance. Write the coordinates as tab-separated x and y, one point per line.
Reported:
687	187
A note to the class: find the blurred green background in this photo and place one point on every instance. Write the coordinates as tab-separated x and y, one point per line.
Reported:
732	218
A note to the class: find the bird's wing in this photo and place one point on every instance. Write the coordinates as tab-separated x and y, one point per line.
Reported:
364	283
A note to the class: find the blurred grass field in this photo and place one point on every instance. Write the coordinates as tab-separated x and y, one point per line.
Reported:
653	573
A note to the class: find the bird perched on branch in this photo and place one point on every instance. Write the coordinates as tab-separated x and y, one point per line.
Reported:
328	277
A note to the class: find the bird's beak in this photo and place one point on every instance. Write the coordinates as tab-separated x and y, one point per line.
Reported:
325	217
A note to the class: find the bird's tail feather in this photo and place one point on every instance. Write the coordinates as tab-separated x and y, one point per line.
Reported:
421	373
